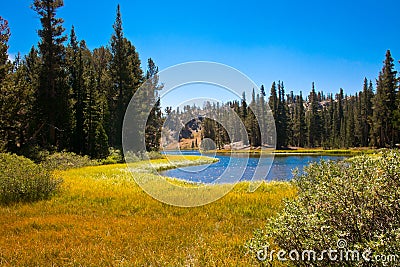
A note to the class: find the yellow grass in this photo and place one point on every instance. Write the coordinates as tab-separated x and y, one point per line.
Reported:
102	218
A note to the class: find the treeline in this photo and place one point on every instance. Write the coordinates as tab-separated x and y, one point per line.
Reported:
64	96
368	118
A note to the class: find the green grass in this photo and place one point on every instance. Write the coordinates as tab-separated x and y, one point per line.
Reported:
102	217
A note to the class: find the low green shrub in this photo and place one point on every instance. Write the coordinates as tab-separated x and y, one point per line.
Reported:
115	156
132	157
21	180
154	155
66	160
350	206
35	153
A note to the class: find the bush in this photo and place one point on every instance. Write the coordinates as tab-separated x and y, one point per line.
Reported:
154	155
355	202
21	180
35	153
66	160
114	157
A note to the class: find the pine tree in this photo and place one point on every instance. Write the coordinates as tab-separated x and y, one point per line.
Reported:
16	103
4	37
325	123
243	115
273	104
298	122
349	122
154	120
236	131
53	99
5	69
33	63
290	103
252	124
396	114
313	120
87	104
331	127
263	115
281	119
338	137
262	90
384	105
76	67
357	120
366	112
244	110
301	122
101	61
126	76
273	100
100	148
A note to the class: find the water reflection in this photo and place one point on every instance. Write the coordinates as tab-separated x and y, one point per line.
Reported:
240	166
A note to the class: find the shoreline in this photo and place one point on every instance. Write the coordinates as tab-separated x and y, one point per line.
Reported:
297	152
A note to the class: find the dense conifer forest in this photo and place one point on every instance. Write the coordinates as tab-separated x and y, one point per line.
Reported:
370	118
64	96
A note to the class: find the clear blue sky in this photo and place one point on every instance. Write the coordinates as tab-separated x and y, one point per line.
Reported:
333	43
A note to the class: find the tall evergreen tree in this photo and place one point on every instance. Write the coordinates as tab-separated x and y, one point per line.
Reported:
262	90
243	115
252	124
281	120
273	104
300	123
16	102
154	120
384	106
5	69
263	114
244	110
349	122
358	127
94	103
396	113
101	63
4	37
76	67
313	120
53	99
366	112
273	100
290	103
126	76
33	63
331	125
338	137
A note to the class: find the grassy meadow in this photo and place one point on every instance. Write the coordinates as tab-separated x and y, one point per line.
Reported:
101	217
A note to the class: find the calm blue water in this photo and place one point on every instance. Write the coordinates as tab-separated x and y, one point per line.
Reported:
231	169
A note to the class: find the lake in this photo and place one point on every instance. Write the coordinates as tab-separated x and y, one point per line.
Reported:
241	166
